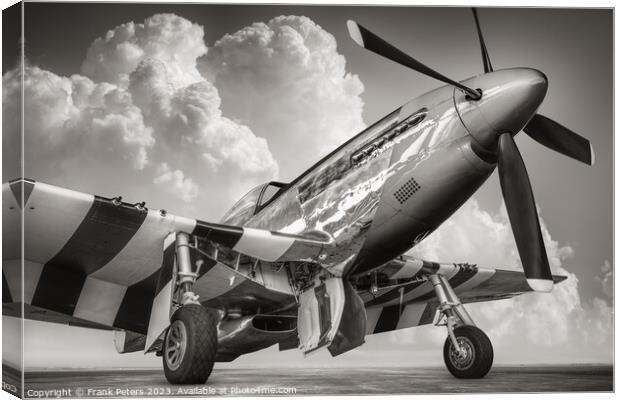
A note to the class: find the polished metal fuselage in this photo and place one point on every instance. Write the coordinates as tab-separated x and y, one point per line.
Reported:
359	202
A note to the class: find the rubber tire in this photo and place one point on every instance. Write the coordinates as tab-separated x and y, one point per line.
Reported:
483	353
201	328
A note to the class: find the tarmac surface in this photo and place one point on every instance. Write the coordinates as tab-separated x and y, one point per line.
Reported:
248	382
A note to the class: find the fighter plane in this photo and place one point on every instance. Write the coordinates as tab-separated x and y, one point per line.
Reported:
315	263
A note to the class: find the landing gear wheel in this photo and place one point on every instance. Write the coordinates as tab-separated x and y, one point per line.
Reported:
476	357
189	345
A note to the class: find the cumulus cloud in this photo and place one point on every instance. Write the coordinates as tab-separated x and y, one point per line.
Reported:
74	113
141	113
286	80
534	326
175	181
171	39
607	279
192	132
141	103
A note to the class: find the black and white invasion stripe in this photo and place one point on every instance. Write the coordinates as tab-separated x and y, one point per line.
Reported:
262	244
87	256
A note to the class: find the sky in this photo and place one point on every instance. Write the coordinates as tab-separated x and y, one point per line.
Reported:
189	106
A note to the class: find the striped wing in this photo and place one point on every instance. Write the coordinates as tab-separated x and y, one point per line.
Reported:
413	302
95	261
265	245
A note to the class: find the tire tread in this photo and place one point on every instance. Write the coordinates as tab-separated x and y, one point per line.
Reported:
484	353
201	327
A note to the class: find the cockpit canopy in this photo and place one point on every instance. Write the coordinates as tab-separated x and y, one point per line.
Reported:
250	204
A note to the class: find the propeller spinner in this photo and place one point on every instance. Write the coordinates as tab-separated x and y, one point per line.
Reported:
519	109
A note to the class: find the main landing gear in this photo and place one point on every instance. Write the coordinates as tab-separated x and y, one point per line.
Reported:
467	352
190	343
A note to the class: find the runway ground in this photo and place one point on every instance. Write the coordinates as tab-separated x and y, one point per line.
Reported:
244	382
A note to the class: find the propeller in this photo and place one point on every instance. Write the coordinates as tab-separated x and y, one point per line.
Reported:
514	180
374	43
559	138
486	61
521	208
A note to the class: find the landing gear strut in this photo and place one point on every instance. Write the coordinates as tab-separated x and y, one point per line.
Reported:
467	352
190	343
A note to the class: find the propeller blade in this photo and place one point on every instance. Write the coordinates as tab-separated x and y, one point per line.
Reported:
486	61
374	43
521	208
559	138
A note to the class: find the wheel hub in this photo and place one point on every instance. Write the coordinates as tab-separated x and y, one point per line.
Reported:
464	357
175	345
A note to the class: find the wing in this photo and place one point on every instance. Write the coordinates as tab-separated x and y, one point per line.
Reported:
265	245
405	298
98	262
